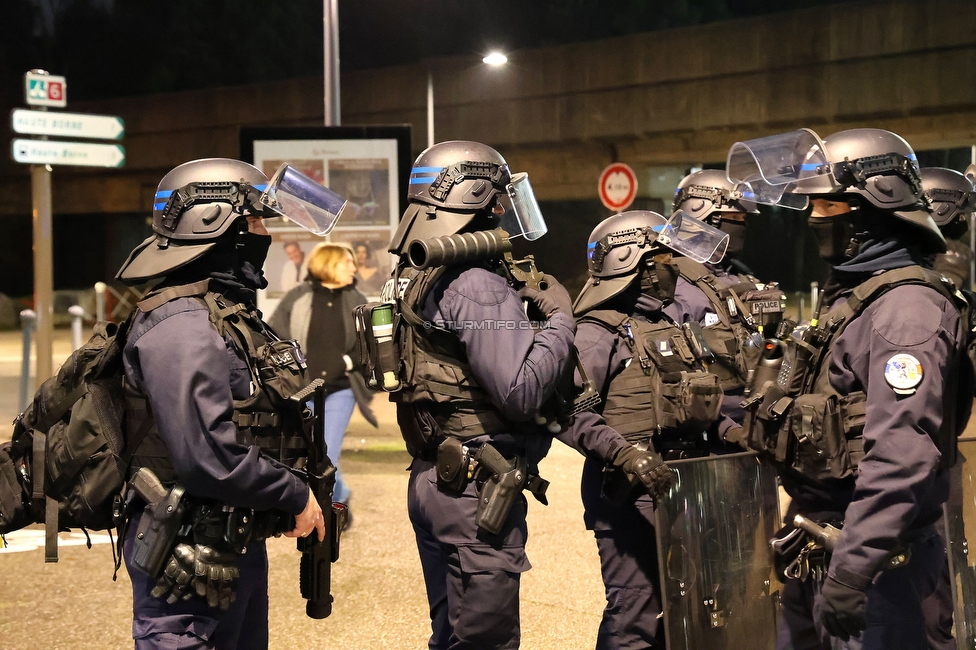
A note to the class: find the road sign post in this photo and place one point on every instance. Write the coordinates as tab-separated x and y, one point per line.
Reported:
43	272
617	187
46	90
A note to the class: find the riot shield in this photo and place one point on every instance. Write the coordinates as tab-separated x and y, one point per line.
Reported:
960	525
713	531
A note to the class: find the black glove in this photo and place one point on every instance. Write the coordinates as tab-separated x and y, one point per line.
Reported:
843	609
737	436
174	584
552	299
649	468
199	570
215	573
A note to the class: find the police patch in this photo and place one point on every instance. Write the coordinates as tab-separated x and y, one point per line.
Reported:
903	373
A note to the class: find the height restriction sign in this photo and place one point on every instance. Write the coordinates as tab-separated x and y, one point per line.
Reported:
618	186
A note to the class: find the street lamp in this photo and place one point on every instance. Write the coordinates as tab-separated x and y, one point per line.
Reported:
493	59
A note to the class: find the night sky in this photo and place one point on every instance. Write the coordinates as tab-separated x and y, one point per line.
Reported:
112	48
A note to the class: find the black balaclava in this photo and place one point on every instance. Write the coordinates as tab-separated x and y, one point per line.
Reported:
836	236
881	242
235	263
659	278
956	228
736	230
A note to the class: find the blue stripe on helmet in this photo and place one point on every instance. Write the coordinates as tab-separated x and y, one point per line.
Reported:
158	206
658	228
426	170
164	194
591	245
809	167
261	188
417	181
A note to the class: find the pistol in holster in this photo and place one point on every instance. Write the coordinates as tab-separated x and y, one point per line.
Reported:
504	484
160	523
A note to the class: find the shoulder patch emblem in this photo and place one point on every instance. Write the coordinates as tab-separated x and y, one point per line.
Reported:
903	373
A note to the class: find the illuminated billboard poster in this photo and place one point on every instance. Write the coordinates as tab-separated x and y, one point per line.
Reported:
368	166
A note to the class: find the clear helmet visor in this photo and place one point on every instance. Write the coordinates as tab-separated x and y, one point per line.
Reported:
693	238
760	192
763	169
302	200
525	218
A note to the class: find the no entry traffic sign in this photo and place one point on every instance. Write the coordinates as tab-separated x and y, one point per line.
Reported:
618	186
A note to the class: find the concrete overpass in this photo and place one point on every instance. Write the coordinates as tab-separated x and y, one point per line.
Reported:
660	101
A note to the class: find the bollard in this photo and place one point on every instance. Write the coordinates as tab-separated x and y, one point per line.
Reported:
28	320
76	315
100	288
814	294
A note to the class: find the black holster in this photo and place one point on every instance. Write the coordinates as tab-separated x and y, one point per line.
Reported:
503	486
453	466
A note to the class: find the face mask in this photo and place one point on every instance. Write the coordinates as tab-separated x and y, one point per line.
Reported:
835	238
253	248
736	230
956	229
660	278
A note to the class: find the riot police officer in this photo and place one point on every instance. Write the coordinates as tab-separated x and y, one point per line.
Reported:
949	195
949	199
730	303
864	415
476	374
622	326
206	384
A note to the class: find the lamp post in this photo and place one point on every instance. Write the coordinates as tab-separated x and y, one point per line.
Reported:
330	41
493	59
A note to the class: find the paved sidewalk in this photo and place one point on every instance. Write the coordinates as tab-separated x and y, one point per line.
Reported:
377	583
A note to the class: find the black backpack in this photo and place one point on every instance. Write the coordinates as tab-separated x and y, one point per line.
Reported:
66	463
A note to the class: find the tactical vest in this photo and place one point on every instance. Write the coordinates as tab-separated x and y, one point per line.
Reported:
814	430
660	392
441	396
740	309
267	418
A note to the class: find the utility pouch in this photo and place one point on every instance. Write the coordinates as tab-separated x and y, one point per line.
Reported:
697	401
419	429
281	367
376	325
453	461
504	485
763	423
160	523
817	424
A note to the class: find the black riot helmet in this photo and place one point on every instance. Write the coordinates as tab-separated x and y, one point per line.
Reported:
624	246
199	202
195	204
456	185
950	199
708	194
870	168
